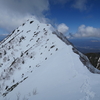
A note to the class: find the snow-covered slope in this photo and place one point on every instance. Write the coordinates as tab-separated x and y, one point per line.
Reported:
37	63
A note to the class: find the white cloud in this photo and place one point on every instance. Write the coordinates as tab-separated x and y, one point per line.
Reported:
62	28
88	31
11	21
14	12
80	4
25	6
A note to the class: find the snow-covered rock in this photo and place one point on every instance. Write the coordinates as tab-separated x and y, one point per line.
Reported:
39	63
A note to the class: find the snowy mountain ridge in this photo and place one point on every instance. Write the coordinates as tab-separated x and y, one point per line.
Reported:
42	59
82	57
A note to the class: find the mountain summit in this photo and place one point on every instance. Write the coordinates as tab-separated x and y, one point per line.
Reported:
39	63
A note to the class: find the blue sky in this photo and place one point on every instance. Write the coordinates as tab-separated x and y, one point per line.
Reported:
75	17
79	17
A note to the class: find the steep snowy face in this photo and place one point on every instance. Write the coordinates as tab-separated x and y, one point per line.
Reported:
26	48
34	55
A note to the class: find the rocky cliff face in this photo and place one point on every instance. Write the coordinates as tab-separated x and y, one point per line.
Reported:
94	59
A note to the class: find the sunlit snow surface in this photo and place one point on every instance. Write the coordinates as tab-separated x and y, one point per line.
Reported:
36	65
